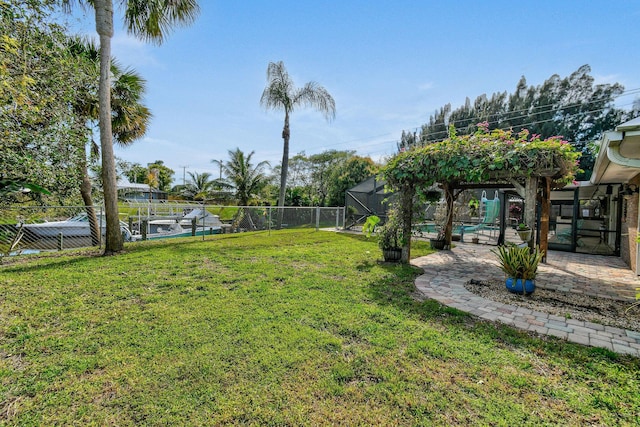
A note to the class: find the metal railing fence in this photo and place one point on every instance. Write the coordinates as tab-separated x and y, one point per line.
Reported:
29	229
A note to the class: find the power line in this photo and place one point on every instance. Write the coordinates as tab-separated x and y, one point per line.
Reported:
445	133
528	123
554	108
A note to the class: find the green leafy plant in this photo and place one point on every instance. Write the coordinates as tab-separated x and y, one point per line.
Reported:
369	226
523	227
474	205
635	304
390	235
519	263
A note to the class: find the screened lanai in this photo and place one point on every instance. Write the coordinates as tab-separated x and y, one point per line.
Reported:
367	198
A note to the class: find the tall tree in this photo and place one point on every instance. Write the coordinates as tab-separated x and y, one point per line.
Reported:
135	172
243	176
574	107
323	166
150	20
281	94
199	186
346	175
164	175
39	80
129	117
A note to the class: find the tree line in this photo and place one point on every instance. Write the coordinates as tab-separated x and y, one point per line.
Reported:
574	107
313	180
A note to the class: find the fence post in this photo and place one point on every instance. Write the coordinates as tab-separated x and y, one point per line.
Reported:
317	218
337	217
269	226
204	214
60	241
100	226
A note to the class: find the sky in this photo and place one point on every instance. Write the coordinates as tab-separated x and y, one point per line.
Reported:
389	65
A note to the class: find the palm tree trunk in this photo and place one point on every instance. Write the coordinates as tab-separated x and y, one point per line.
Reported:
104	27
85	192
285	168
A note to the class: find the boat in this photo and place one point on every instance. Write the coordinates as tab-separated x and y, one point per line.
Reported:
175	230
204	219
74	227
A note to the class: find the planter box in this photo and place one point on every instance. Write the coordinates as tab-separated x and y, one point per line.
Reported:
392	255
437	244
516	286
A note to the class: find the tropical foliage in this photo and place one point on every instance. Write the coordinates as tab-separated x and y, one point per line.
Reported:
281	94
573	106
322	179
148	20
519	262
129	117
39	136
485	155
498	156
163	175
199	187
390	235
245	178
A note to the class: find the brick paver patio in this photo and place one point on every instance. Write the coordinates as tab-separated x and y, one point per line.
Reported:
446	272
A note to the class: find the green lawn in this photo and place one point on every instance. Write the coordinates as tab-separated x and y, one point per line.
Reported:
293	328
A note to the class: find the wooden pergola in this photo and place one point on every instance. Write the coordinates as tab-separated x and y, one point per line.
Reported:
496	159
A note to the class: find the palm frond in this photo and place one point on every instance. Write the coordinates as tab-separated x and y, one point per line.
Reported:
152	20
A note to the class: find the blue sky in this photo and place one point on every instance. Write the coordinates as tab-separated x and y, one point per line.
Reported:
389	66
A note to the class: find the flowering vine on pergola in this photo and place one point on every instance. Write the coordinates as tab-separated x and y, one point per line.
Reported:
518	160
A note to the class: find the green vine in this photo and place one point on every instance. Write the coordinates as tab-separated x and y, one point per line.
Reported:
485	156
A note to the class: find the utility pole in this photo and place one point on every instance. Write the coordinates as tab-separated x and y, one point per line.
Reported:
184	168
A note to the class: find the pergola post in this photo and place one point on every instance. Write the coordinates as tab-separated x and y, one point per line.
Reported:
406	211
530	191
544	216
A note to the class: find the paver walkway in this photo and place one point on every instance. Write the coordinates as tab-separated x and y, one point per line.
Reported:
446	272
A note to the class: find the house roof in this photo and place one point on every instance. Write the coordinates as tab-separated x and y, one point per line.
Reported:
618	160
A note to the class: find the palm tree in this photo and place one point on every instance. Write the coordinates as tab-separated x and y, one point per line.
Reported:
149	20
199	186
243	176
129	117
282	95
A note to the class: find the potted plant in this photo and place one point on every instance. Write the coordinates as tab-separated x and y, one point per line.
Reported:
520	266
524	231
389	235
440	217
390	241
439	241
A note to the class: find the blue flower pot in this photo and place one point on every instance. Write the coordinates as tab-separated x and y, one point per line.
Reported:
516	286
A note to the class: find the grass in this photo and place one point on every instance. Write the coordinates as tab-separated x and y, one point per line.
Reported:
287	328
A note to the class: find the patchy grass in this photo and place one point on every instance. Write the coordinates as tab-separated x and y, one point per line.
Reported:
287	328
